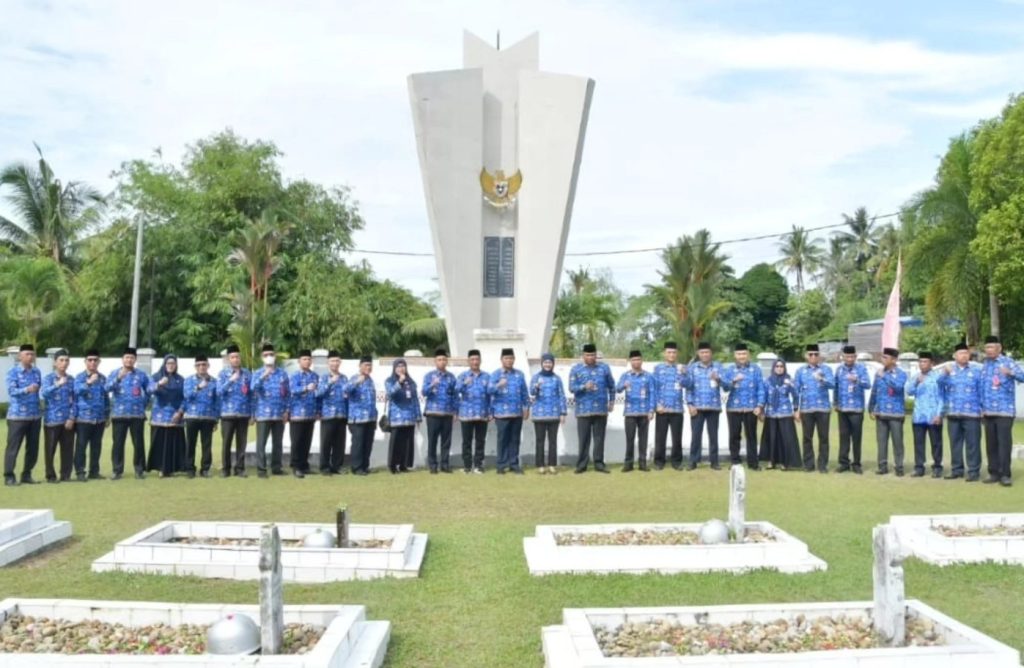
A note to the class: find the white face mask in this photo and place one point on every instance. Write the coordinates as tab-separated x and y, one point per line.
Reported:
268	360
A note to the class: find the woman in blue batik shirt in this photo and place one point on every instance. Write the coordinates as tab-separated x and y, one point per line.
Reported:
548	411
403	414
779	445
167	431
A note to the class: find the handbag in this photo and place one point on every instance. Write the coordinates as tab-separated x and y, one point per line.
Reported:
385	422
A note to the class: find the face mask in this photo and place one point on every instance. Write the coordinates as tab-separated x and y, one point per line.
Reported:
268	359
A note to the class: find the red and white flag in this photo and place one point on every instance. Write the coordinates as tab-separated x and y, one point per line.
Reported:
891	324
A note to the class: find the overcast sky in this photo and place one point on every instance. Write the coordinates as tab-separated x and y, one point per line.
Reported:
740	116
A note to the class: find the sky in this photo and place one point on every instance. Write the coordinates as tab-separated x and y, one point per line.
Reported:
744	117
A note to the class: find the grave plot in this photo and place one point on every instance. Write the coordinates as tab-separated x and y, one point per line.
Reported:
25	532
963	538
885	633
736	547
310	552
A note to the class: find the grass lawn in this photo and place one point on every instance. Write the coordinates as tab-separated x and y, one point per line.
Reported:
476	604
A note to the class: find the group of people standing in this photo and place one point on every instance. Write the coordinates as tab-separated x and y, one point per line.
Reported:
968	396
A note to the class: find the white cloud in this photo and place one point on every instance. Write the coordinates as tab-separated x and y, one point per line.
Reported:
693	124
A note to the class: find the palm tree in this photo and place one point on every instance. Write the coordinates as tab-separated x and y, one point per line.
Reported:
256	249
887	251
689	294
800	254
862	239
32	289
835	269
52	216
585	308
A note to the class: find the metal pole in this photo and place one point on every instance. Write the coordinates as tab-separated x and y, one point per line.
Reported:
136	288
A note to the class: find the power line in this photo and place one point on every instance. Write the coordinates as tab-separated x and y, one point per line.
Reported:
653	249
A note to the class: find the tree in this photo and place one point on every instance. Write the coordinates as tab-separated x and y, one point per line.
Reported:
800	254
690	293
52	216
588	307
862	238
31	289
836	269
806	315
766	297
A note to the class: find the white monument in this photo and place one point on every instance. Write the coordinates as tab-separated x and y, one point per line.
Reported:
500	145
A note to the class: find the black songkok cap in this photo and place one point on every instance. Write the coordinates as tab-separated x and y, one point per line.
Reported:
231	349
440	352
473	353
333	353
634	353
267	348
507	352
589	348
130	351
891	352
671	345
991	339
925	356
811	348
365	358
201	358
703	345
740	347
961	346
849	350
305	352
92	352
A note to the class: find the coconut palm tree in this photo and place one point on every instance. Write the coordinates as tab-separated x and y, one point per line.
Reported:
835	269
31	289
51	216
862	238
800	254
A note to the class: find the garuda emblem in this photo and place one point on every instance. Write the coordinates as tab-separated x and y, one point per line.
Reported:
500	191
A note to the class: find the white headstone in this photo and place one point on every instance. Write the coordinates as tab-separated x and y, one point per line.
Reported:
737	501
271	591
889	614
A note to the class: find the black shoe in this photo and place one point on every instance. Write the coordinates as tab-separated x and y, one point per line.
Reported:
518	471
446	469
843	469
241	474
205	474
937	474
972	478
991	480
360	473
691	467
659	467
54	481
578	471
10	482
139	475
602	470
809	469
298	474
857	470
643	467
433	471
882	471
917	474
277	472
1006	482
716	467
753	468
96	476
28	480
403	469
225	474
953	476
677	467
262	474
191	474
899	473
823	469
501	471
81	477
627	468
116	476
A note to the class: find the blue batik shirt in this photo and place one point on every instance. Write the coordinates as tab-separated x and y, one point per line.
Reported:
474	396
92	403
849	392
234	396
271	394
811	391
704	393
60	400
24	405
167	400
404	403
511	400
929	397
129	395
548	395
887	393
778	399
201	402
670	387
362	400
303	404
333	400
640	389
998	394
963	390
744	386
592	401
443	398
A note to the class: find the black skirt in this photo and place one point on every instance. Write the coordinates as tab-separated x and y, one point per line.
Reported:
167	450
779	445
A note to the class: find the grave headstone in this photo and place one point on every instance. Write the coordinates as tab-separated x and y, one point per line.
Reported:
271	591
737	501
889	614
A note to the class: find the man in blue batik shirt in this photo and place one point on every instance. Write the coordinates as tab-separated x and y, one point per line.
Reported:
333	416
92	410
303	411
234	396
929	406
999	375
704	399
639	388
271	395
887	407
23	415
851	382
440	389
510	405
130	390
670	379
362	415
744	383
812	406
59	421
201	414
474	403
962	383
592	384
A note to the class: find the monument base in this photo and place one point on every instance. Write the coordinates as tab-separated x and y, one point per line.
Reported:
490	343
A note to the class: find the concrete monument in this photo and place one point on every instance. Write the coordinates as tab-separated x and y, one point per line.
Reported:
500	145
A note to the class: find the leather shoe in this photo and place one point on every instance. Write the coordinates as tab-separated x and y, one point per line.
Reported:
953	476
627	468
10	482
602	470
1006	482
691	467
972	478
991	480
917	474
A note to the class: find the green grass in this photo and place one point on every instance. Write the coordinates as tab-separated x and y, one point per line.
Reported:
475	603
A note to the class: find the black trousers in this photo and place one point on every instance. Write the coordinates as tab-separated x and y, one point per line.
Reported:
747	422
301	433
439	429
998	445
663	424
273	429
399	444
889	429
362	445
18	431
934	433
332	444
851	433
546	430
587	427
964	431
636	435
811	422
55	436
697	424
474	438
88	435
121	428
202	431
233	429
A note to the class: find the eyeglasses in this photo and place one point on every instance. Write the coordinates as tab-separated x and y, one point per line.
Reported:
812	354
